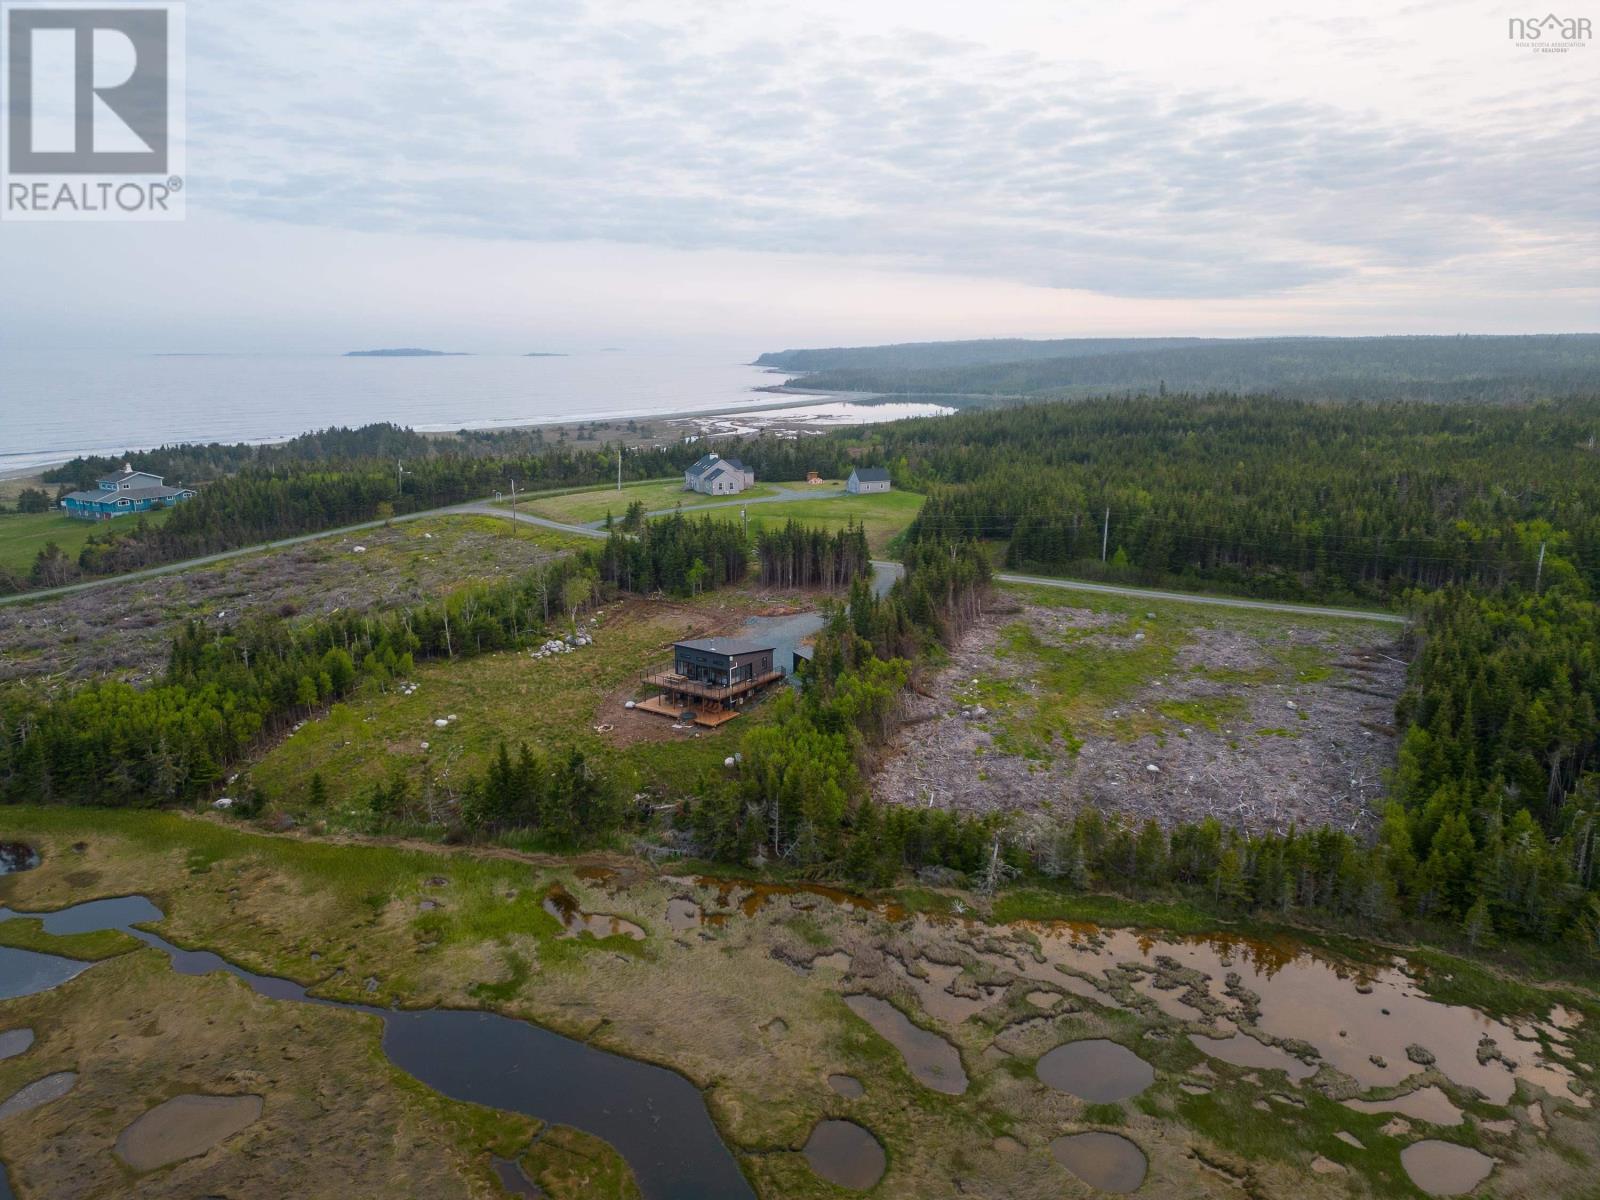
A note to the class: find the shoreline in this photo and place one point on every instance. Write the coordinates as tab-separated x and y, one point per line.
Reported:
799	396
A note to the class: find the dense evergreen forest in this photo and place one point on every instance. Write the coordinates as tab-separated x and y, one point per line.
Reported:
801	556
1494	369
1288	499
676	554
924	356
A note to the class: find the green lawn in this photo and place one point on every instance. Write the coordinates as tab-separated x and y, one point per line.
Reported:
23	535
884	515
582	507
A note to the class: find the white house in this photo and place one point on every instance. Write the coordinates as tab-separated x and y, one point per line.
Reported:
867	479
716	476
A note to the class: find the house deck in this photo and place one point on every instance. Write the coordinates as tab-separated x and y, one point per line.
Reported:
711	718
681	685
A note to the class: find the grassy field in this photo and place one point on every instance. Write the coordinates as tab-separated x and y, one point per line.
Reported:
884	515
23	535
579	508
553	703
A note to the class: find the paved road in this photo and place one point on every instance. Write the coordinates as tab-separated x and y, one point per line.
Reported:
484	508
1109	589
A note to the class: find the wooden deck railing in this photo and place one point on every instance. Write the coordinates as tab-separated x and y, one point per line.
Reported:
672	682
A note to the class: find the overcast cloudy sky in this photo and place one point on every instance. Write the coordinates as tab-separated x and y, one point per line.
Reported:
554	173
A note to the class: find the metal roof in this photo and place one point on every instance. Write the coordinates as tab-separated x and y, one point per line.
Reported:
145	493
704	463
872	474
726	646
122	475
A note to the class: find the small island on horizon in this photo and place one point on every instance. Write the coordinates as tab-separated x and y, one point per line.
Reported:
406	352
545	354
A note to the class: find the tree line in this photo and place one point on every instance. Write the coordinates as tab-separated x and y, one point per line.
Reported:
1266	496
1491	369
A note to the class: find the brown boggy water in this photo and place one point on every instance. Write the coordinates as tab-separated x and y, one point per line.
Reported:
1444	1168
846	1155
847	1086
1095	1070
933	1061
1107	1161
184	1127
563	906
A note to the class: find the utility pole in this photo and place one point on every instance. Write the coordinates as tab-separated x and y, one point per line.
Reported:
398	472
1105	534
619	464
744	515
1538	575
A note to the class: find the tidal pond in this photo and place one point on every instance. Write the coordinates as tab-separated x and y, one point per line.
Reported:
1095	1070
1244	1051
1107	1161
655	1118
1428	1104
933	1061
563	906
845	1155
45	1090
683	915
1364	1021
185	1127
1444	1168
847	1086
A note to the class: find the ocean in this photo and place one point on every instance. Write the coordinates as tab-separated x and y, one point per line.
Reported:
55	405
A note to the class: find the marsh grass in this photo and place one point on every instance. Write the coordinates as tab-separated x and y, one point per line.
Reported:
27	933
575	1166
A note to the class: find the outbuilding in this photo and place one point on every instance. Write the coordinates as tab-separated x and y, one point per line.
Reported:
867	479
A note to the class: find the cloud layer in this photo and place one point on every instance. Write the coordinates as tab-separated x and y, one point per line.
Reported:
1056	165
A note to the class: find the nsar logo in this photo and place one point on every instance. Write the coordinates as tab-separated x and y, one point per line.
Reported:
1550	34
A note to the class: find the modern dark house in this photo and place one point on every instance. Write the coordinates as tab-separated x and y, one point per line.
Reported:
711	676
123	494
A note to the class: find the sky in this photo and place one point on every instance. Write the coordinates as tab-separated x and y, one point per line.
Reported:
509	175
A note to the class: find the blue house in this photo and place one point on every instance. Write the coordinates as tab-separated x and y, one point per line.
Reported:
126	492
